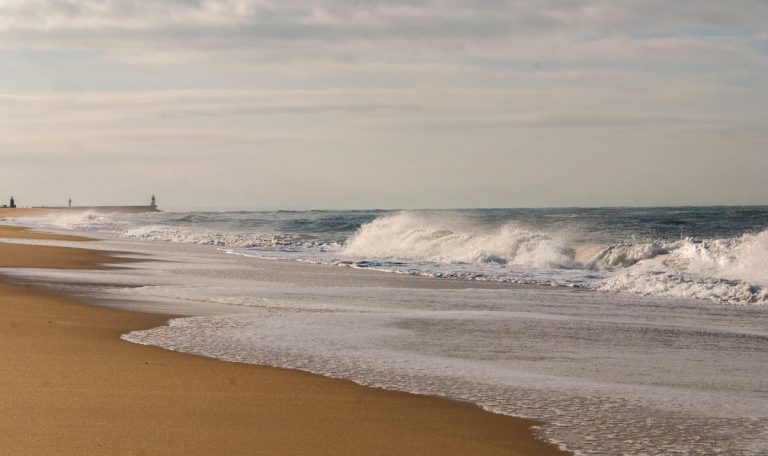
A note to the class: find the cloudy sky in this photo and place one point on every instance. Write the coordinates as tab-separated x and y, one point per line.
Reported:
349	104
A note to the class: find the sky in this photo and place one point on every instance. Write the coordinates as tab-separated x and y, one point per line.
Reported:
250	104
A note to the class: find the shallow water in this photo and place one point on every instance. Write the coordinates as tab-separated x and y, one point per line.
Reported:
610	373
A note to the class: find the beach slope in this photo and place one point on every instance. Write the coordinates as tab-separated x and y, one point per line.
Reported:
69	385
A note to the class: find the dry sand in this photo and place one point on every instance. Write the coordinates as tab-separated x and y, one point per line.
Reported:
69	385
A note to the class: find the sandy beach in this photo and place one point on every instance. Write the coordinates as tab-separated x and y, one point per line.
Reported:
384	227
69	385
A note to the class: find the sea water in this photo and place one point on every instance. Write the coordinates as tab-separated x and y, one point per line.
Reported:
653	339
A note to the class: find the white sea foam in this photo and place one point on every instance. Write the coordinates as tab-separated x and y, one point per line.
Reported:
727	270
223	239
679	285
742	258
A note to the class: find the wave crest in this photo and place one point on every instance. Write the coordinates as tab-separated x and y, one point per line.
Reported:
420	237
726	270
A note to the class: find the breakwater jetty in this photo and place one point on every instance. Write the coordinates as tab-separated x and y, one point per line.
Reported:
12	208
105	209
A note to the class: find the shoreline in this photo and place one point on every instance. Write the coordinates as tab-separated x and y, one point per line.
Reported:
68	376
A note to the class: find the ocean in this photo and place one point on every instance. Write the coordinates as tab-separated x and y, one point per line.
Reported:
626	330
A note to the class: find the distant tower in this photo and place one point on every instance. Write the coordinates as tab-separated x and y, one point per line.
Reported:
13	203
154	202
70	202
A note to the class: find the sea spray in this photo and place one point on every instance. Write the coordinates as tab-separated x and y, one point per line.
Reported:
439	239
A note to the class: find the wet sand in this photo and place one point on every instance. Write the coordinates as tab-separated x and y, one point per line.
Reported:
25	211
69	385
17	232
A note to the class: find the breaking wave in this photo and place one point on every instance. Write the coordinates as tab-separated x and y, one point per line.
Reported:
417	237
446	244
727	270
450	240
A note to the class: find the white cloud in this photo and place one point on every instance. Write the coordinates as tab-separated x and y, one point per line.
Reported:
390	94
